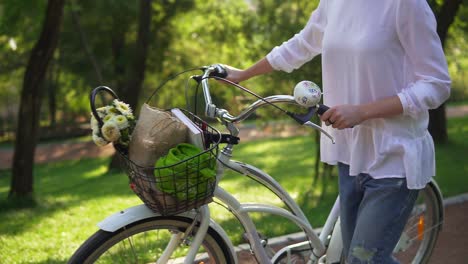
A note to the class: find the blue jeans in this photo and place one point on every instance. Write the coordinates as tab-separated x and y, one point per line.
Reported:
373	214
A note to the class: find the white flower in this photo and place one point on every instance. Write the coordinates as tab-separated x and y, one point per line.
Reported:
95	129
114	111
108	118
121	121
94	125
103	111
99	140
122	107
94	122
118	124
110	131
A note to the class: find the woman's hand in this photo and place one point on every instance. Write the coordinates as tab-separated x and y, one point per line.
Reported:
347	116
234	74
344	116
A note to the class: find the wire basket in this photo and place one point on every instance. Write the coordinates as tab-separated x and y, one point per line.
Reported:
179	187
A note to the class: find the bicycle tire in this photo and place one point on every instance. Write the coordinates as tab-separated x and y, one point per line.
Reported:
140	241
422	229
415	245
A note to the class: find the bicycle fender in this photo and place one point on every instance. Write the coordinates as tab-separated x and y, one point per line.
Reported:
136	213
125	217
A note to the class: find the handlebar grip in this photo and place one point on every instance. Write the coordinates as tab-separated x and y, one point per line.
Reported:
322	109
220	71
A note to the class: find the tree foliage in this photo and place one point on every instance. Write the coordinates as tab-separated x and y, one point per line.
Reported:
98	45
184	34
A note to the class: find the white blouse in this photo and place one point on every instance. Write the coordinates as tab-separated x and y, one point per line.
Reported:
371	50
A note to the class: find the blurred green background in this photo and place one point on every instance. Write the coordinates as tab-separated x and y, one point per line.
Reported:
133	46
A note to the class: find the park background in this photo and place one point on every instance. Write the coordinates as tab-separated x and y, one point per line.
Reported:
53	53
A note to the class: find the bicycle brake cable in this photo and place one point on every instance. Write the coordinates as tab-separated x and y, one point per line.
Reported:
247	91
169	79
301	119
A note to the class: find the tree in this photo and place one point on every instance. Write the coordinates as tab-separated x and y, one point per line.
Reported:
30	104
85	43
445	15
131	91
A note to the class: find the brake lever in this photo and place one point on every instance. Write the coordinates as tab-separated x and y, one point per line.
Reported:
304	119
218	71
313	125
301	119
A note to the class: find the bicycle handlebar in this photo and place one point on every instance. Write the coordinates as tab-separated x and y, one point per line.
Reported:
219	72
322	109
212	111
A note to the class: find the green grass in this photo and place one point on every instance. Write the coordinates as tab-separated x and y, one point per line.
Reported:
457	103
452	165
72	196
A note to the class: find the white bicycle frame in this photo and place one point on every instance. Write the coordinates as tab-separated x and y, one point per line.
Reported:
327	246
294	214
320	245
242	210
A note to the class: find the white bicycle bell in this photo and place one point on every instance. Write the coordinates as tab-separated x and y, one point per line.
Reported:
307	93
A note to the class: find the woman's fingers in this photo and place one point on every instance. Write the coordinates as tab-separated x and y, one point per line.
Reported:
342	116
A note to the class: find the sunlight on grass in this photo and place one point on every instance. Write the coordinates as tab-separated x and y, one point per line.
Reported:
96	172
73	196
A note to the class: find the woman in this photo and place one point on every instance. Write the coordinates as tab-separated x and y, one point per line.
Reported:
383	68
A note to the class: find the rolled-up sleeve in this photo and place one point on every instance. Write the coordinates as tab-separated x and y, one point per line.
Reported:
416	28
303	46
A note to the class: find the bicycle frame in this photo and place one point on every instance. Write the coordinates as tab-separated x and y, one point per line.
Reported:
241	211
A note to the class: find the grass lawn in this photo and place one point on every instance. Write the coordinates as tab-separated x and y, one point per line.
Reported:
72	196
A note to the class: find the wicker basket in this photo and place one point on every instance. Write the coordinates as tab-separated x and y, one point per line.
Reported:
190	187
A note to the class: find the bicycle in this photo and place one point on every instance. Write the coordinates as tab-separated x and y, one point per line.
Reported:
147	233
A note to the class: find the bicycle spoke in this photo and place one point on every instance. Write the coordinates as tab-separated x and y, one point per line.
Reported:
132	250
413	227
426	231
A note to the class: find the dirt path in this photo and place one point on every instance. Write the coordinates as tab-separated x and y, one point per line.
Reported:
58	152
66	151
69	151
457	111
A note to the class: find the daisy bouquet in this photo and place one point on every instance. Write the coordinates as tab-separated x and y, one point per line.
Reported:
118	124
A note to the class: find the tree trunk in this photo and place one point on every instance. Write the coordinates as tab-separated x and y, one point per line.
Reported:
52	85
30	104
437	117
86	46
130	92
445	18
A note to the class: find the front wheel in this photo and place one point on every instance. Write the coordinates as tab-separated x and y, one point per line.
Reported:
145	241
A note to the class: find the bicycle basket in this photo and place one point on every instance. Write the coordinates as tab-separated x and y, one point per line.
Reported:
181	186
